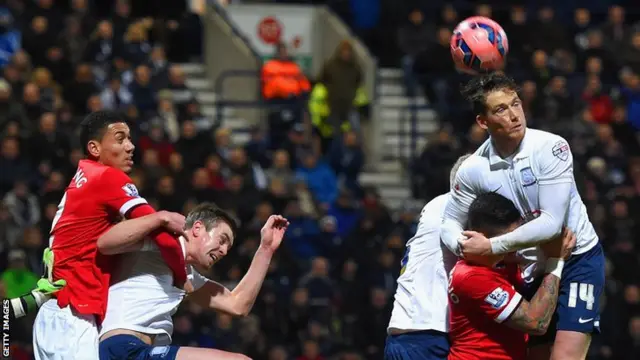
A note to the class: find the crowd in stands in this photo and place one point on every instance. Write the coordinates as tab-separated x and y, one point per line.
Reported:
329	290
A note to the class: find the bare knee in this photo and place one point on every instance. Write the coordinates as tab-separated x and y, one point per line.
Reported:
570	345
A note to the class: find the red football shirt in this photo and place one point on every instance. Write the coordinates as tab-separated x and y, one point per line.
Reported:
480	299
97	197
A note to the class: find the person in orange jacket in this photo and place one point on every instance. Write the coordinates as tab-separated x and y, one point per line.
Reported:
282	78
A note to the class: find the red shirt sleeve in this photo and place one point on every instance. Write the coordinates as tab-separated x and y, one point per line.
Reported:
490	294
117	192
168	245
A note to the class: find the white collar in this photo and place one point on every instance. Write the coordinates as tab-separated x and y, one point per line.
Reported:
495	159
182	240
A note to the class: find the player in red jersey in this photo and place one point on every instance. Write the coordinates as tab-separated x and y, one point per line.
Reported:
99	195
489	318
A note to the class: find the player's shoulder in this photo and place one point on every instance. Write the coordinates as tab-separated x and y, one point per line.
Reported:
436	205
474	165
544	145
465	272
538	138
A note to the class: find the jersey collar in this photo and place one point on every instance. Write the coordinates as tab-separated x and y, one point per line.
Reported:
495	159
182	246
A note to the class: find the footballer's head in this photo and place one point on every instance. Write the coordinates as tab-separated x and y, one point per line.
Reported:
498	108
492	215
107	139
210	233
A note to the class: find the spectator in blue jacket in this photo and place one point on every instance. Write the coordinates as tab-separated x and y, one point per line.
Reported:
320	179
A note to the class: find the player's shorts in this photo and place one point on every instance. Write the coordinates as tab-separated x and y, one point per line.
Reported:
581	286
417	345
129	347
63	334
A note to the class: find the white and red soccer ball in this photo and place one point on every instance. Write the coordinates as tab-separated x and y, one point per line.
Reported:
478	45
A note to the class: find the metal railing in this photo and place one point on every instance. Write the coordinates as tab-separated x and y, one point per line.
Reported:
220	11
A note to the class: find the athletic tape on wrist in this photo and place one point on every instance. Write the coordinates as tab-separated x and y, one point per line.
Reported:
554	266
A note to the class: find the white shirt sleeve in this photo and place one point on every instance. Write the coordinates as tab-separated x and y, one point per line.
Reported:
197	280
554	195
455	214
555	163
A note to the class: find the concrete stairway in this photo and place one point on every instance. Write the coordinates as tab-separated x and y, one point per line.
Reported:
390	176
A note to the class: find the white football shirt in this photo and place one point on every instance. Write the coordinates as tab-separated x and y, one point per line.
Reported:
539	180
421	300
142	296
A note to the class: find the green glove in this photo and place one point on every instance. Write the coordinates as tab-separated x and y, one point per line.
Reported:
32	301
45	284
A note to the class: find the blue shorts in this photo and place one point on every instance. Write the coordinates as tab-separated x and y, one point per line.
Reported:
581	286
129	347
419	345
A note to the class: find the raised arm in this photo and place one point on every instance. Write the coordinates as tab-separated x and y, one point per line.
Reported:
240	301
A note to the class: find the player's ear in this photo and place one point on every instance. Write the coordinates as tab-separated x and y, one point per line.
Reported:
481	120
196	230
94	148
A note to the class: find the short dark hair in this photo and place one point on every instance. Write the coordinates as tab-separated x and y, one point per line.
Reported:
476	90
94	126
491	213
210	214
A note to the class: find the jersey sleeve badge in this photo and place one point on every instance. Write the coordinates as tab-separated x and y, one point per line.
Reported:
498	298
561	150
131	190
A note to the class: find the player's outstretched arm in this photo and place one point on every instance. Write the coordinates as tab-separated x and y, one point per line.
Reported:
127	235
118	194
240	301
533	317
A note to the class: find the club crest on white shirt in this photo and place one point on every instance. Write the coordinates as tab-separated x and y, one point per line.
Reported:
561	150
527	177
498	298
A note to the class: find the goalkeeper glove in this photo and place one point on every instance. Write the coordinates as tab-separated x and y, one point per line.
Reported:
32	301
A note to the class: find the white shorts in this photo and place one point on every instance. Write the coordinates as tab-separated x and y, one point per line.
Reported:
63	334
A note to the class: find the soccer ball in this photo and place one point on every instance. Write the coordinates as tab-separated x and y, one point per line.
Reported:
479	44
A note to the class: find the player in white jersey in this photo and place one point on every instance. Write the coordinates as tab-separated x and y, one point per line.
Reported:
534	169
142	297
419	321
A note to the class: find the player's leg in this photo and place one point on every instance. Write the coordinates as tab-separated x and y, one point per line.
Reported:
419	345
60	334
571	345
129	347
578	310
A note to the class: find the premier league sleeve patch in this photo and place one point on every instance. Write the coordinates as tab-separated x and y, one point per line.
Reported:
131	190
498	298
527	177
561	150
